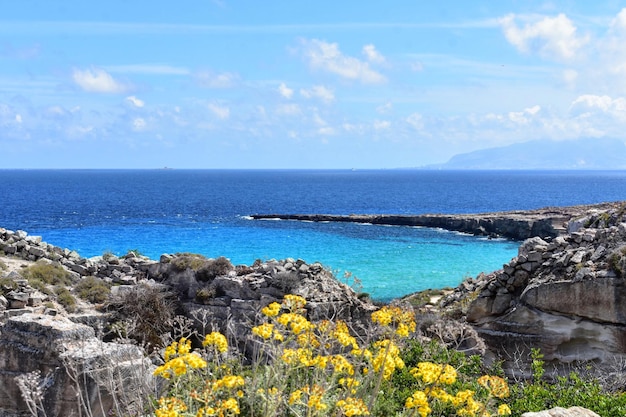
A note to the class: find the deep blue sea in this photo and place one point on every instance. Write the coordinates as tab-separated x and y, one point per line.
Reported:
206	212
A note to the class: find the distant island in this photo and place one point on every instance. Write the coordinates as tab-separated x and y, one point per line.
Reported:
588	153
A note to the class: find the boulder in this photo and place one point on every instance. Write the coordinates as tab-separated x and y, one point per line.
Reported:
562	412
69	365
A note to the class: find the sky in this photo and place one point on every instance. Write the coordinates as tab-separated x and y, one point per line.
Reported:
216	84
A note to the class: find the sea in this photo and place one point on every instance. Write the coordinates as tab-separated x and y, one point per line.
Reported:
208	212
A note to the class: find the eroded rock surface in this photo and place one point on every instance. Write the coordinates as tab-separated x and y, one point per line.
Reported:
563	295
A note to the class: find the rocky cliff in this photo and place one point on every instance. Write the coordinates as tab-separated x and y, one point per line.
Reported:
564	296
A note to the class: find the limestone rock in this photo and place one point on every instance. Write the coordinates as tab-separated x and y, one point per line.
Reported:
564	296
562	412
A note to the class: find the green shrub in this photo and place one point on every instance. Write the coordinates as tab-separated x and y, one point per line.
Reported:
50	273
3	266
184	261
541	394
65	298
214	268
617	261
134	253
92	289
204	294
7	285
40	286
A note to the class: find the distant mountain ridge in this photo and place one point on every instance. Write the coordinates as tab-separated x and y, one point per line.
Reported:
596	153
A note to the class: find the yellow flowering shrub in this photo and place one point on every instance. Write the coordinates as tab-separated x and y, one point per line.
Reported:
317	369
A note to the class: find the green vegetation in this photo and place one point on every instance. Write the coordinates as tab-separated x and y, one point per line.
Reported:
50	273
321	369
3	266
92	289
65	298
214	268
134	252
617	261
7	285
184	261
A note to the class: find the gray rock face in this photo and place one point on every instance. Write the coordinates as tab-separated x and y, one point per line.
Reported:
232	301
564	296
64	352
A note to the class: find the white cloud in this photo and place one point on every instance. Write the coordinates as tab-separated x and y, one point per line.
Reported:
97	80
416	120
524	117
222	112
326	131
139	124
327	57
158	69
285	91
18	118
320	92
589	105
288	109
135	101
373	55
550	37
209	79
385	108
381	124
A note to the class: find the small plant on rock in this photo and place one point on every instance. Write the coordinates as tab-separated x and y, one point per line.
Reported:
65	298
214	268
92	289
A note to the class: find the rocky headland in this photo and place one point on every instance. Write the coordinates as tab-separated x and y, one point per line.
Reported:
546	222
562	294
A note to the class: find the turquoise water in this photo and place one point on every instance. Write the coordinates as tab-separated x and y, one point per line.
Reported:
207	212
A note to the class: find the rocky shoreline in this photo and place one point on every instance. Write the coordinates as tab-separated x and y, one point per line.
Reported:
545	222
563	293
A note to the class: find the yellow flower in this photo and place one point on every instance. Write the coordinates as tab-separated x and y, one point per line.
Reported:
349	383
295	397
293	302
404	320
353	407
178	366
387	360
296	322
341	365
432	373
504	410
271	310
308	338
265	330
382	316
419	401
170	407
315	397
216	339
231	405
497	386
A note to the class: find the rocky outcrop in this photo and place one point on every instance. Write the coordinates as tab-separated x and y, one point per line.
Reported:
563	295
231	301
563	412
64	367
517	225
68	369
127	269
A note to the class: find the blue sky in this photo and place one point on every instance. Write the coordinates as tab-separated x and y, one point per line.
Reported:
284	84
